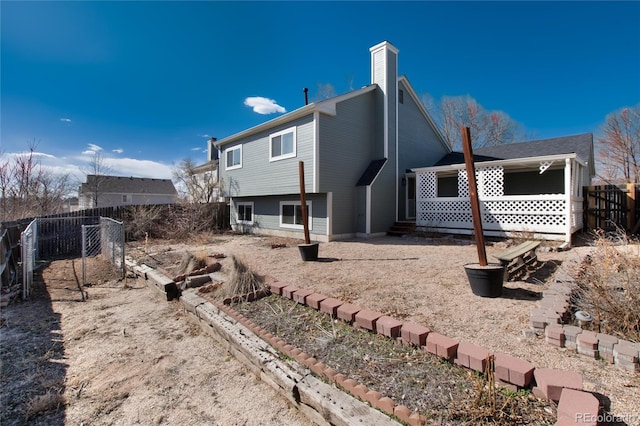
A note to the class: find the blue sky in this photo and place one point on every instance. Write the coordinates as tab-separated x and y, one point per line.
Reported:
148	83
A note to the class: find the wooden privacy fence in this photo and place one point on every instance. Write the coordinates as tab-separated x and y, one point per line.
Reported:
612	207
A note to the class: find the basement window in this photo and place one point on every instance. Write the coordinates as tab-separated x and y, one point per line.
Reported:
291	214
244	213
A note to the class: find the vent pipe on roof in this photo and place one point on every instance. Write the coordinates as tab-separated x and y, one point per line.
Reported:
306	97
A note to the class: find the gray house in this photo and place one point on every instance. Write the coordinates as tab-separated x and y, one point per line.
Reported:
103	190
357	149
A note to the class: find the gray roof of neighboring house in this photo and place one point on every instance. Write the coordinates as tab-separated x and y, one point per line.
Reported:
128	185
581	145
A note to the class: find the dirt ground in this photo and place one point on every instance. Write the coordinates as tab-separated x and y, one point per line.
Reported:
125	356
421	279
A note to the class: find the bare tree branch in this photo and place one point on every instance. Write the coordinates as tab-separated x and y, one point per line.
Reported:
619	145
487	127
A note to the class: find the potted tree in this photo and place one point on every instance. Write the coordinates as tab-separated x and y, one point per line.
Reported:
486	280
308	250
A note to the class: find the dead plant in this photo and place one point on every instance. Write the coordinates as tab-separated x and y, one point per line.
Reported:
485	401
42	403
242	280
190	262
608	286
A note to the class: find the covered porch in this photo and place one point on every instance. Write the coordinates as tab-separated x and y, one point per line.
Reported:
536	197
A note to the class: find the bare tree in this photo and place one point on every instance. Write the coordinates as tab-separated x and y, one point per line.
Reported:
28	189
96	173
324	91
197	184
619	144
488	128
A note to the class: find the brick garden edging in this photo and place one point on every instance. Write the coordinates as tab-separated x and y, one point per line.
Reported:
549	384
562	387
552	315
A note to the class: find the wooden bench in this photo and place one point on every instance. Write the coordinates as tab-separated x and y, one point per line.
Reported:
517	258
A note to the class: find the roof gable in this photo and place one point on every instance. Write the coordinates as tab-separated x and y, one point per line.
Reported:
327	106
423	110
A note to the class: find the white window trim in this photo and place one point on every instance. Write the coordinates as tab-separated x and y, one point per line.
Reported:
296	203
280	133
245	203
127	198
237	166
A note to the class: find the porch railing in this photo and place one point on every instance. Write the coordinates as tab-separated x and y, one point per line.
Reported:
540	215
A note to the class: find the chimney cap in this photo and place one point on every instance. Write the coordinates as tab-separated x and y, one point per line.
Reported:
382	45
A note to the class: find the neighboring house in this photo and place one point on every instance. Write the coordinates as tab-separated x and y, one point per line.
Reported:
71	204
356	149
206	178
532	189
102	191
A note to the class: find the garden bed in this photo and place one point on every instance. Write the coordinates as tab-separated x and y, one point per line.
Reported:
425	383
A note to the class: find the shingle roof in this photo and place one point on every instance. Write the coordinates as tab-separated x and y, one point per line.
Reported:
129	185
371	172
581	145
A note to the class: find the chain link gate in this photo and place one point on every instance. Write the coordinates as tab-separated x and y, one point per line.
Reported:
105	239
28	255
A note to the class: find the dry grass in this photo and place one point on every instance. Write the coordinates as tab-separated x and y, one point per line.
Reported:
42	403
190	262
608	287
242	280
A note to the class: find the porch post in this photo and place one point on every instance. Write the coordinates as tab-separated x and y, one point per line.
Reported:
568	193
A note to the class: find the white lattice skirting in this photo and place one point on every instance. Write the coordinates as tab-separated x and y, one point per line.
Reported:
521	215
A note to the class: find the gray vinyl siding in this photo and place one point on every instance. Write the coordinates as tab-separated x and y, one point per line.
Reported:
418	141
266	212
344	153
383	197
258	175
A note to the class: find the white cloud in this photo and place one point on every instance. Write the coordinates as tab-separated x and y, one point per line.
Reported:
196	149
92	149
118	150
204	136
263	105
65	120
138	168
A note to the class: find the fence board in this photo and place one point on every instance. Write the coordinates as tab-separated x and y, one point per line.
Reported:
611	207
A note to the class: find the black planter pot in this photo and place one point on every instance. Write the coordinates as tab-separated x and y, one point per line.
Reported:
308	252
485	281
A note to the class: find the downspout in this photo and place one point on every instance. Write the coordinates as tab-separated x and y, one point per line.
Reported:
367	229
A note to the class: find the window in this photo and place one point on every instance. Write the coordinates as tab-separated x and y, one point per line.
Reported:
291	214
244	213
233	157
400	96
282	144
448	186
127	198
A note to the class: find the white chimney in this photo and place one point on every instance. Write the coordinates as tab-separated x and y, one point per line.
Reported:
384	73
